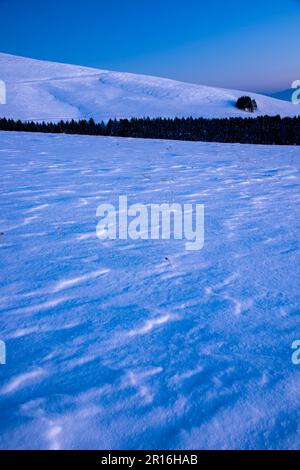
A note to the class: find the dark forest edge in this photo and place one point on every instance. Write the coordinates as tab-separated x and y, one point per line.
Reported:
271	130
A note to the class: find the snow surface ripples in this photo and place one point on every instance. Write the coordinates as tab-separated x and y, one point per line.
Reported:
124	344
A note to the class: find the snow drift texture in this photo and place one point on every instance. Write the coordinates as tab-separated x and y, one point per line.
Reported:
110	345
52	91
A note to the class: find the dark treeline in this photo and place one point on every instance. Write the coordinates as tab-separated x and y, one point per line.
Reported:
259	130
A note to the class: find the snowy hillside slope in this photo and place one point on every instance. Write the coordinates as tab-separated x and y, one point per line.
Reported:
51	91
110	344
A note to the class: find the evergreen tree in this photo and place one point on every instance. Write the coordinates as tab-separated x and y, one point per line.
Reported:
245	103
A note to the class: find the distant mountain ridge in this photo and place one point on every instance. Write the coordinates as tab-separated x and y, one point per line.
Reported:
285	95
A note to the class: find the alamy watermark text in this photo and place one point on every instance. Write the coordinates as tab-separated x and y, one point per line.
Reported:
152	222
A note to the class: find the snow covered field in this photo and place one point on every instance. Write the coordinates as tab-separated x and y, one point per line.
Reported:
51	91
110	345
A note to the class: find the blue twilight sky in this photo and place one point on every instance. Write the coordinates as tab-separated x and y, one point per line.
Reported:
249	44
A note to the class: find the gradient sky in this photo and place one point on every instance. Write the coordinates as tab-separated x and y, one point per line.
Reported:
250	44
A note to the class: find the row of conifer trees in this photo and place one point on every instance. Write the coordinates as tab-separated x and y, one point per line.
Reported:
259	130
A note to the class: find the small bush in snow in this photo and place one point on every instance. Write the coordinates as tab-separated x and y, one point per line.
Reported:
246	103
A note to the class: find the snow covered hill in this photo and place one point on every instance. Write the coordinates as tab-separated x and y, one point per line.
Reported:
51	91
142	344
